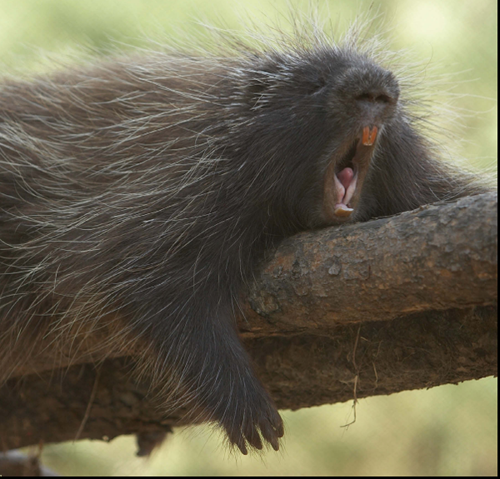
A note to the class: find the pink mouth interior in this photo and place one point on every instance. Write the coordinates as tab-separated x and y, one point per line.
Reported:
345	183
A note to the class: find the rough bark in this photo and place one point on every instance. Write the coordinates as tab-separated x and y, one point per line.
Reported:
433	259
398	303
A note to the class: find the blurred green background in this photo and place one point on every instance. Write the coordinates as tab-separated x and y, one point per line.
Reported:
450	430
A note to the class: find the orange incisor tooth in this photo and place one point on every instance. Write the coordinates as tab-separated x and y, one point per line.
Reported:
369	135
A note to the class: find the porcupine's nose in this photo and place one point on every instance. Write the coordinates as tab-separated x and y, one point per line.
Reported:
375	106
376	96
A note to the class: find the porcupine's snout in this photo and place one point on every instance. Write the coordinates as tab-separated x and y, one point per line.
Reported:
372	95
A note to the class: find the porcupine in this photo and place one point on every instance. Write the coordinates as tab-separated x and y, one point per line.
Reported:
145	190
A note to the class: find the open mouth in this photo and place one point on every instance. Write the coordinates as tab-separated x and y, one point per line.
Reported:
349	173
345	179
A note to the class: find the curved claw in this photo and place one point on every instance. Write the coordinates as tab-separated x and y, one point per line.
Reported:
270	435
253	436
247	435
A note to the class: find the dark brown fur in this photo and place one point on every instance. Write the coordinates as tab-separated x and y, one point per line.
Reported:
146	190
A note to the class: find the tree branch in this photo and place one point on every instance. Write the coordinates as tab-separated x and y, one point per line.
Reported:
398	303
436	258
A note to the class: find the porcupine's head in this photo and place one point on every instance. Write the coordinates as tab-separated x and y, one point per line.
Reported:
315	115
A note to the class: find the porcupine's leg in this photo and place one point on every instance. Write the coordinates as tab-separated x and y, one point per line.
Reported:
236	398
214	373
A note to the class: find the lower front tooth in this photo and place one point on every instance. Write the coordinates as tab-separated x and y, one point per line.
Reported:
343	211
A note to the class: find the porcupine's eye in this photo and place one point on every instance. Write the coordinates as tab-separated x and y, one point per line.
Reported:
256	89
317	85
258	86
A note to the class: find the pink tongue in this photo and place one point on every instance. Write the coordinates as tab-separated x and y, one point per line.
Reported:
345	177
345	184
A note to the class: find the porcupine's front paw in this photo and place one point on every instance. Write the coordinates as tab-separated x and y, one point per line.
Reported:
220	384
250	415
